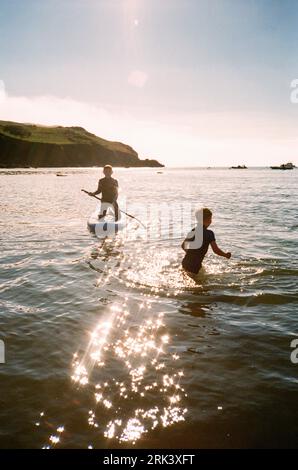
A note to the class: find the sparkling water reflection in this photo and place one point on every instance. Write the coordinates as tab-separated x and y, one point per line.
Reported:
110	345
148	391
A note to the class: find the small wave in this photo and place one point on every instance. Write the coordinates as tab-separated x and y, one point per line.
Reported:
277	272
256	299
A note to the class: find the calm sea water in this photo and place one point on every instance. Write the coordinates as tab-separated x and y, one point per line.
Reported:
108	344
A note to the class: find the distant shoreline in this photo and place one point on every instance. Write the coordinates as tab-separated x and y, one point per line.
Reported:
59	168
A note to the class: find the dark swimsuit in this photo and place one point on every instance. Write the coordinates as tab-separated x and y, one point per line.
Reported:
192	261
109	189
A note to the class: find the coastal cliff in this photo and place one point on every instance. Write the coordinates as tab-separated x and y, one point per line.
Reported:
29	145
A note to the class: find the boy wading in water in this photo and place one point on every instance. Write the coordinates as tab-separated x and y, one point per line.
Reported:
195	252
108	186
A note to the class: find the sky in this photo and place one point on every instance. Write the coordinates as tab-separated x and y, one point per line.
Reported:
188	82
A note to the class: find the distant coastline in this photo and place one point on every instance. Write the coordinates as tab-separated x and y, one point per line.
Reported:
29	145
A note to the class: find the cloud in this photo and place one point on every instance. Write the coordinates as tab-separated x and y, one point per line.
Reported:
199	139
137	78
51	110
2	91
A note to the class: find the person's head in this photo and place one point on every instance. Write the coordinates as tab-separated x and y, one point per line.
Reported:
207	217
206	214
108	171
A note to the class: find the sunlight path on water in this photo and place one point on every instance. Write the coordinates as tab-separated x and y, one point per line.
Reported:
135	381
147	373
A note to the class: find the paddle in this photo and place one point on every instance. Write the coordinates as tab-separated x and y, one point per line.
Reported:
99	199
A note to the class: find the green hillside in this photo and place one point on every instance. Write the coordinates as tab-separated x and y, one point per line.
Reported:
35	145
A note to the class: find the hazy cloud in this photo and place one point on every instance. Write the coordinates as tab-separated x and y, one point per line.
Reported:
2	91
203	139
137	78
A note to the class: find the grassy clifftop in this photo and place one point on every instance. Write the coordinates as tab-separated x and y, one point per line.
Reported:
43	146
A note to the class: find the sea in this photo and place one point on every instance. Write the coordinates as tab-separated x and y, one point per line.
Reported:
106	343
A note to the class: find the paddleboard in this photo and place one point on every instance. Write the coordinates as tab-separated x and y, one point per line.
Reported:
107	226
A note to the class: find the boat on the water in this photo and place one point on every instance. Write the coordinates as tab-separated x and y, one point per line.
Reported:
239	167
284	166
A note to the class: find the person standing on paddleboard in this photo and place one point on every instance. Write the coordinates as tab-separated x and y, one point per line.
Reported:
194	255
108	187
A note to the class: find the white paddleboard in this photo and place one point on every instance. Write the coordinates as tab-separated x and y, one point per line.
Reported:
107	226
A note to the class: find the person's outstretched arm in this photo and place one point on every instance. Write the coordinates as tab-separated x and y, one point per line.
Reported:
98	191
218	251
